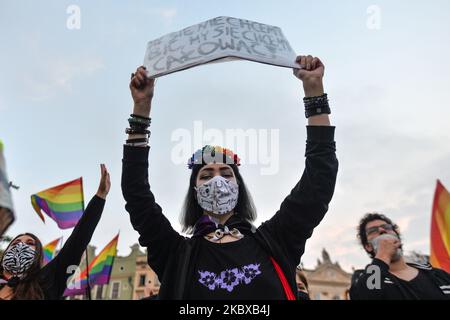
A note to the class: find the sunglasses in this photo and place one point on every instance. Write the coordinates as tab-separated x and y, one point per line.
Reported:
376	229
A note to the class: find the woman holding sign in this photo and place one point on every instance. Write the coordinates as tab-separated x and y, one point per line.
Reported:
226	257
22	276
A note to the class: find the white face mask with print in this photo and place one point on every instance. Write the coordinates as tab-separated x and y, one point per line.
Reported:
218	195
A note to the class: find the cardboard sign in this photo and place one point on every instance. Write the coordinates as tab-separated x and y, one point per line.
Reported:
6	206
218	40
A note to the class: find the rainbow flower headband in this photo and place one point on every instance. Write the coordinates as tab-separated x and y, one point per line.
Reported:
213	154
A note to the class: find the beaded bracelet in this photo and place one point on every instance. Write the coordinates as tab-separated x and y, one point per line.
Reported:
138	144
137	140
138	127
139	121
317	99
316	111
140	117
316	105
137	131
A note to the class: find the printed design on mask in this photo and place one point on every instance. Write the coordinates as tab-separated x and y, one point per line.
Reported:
18	259
229	278
218	195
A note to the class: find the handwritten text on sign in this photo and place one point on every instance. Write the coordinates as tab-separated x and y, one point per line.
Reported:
215	39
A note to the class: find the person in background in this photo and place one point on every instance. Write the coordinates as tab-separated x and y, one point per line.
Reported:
389	276
22	276
302	284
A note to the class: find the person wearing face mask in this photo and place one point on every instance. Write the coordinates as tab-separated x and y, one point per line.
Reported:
227	257
389	276
22	276
302	284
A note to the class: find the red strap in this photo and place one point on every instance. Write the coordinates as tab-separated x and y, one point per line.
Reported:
284	282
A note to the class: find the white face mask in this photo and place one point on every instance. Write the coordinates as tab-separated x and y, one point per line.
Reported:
375	242
218	195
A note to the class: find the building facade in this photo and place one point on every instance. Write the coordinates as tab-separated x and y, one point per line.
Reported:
131	278
328	281
146	282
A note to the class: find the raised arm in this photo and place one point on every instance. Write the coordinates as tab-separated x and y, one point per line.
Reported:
57	271
146	215
311	74
304	208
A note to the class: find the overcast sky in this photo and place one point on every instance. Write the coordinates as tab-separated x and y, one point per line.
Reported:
64	102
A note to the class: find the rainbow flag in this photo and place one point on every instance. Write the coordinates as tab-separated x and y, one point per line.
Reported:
63	203
440	229
99	270
49	250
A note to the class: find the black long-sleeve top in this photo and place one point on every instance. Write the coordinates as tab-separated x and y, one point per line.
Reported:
285	234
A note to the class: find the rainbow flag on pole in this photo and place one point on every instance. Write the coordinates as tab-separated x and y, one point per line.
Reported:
440	229
49	250
99	271
63	203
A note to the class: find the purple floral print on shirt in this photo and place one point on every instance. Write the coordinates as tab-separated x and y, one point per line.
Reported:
250	272
208	279
229	278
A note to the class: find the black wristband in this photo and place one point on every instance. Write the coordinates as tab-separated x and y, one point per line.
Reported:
139	122
140	117
314	111
316	99
137	140
137	126
316	105
137	131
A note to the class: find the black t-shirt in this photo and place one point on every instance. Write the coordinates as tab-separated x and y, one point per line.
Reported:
234	270
422	287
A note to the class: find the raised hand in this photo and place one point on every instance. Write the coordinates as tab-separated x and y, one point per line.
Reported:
142	89
105	183
311	74
387	249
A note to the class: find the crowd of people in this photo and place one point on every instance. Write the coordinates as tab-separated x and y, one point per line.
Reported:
224	255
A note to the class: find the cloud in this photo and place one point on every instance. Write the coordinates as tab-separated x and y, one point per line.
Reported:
2	104
49	70
58	74
418	243
166	14
404	222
